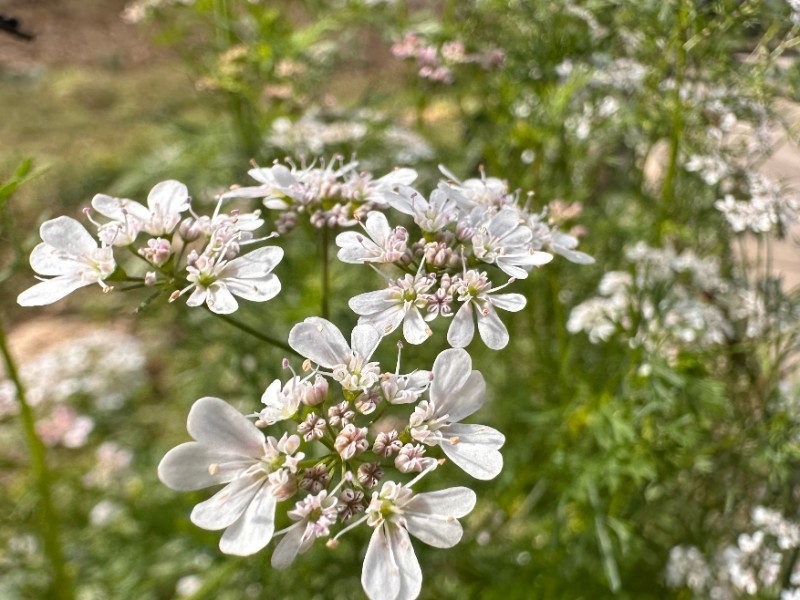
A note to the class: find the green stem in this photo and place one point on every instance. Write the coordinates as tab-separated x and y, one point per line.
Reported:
256	334
668	192
61	585
325	304
240	106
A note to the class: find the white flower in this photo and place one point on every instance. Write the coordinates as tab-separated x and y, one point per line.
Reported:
486	191
127	219
314	516
404	389
322	342
456	392
399	303
475	291
229	449
502	239
384	245
280	404
216	281
166	201
431	216
391	570
71	255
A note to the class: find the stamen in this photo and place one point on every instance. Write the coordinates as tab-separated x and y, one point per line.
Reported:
399	351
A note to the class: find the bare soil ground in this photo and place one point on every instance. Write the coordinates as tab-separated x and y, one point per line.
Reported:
72	32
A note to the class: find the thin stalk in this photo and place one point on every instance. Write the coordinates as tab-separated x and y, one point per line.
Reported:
61	585
256	334
668	191
240	107
326	282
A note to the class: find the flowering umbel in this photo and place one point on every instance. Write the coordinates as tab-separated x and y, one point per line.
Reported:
338	414
198	254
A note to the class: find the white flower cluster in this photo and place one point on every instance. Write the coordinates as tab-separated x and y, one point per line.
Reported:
335	461
671	300
333	193
316	132
751	567
200	254
351	439
464	229
769	207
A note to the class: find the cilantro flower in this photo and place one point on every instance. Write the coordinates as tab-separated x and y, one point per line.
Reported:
229	449
322	342
456	392
216	281
391	570
72	257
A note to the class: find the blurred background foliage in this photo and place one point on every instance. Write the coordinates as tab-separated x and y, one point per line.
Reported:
618	450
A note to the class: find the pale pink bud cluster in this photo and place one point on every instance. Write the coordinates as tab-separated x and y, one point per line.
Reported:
437	63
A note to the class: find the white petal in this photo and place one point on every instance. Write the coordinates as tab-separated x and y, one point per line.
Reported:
574	256
47	260
510	302
474	449
255	290
168	197
434	531
410	571
371	302
255	264
189	466
510	268
415	329
455	502
283	176
493	333
355	248
462	327
286	550
385	321
119	209
220	300
404	176
254	529
197	297
67	234
380	575
51	290
228	504
391	570
216	424
451	369
462	403
377	227
365	339
320	340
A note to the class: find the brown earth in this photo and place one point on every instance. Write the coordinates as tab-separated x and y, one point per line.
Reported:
72	32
